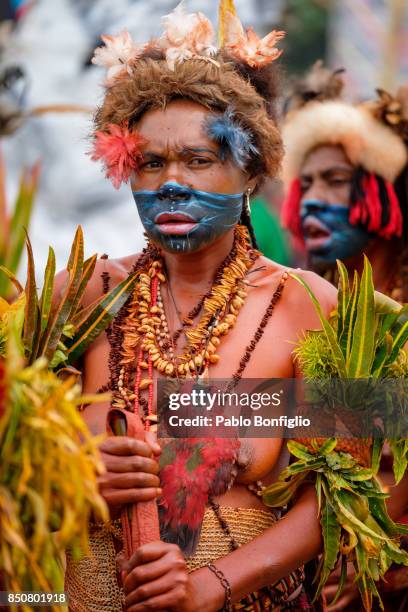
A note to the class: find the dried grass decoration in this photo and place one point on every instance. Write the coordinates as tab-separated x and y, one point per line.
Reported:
48	459
363	339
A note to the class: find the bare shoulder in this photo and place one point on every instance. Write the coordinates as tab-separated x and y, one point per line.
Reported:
295	297
117	269
324	291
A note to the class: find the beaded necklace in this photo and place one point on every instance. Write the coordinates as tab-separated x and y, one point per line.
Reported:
140	338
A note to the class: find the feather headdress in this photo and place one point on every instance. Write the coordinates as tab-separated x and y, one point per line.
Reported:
117	55
247	46
371	134
368	132
393	110
233	139
235	81
189	36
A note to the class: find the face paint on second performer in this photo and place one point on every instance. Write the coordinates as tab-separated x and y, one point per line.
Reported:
180	219
328	233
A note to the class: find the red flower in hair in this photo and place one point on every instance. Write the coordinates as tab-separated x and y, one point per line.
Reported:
119	150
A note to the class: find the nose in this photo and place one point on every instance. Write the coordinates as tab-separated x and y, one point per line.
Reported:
311	206
174	192
317	190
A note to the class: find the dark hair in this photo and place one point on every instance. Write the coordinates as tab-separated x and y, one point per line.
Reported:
401	189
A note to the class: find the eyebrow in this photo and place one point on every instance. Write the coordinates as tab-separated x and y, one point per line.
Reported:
152	155
198	150
329	171
184	151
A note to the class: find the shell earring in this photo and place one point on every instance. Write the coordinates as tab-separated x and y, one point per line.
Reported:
247	202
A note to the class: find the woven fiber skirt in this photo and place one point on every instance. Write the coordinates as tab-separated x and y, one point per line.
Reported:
92	583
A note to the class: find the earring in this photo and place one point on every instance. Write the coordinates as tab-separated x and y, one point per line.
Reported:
247	203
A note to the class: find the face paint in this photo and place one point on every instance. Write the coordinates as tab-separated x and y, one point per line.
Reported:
328	233
180	219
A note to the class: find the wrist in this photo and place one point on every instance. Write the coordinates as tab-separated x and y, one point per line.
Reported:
207	593
227	607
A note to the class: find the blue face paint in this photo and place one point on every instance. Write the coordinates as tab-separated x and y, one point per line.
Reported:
329	234
180	219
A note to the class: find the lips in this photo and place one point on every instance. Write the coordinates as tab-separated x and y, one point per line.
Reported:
175	223
316	234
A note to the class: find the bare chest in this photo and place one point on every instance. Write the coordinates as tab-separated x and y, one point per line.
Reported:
248	348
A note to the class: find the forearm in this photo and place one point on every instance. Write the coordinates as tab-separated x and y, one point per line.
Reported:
397	503
291	542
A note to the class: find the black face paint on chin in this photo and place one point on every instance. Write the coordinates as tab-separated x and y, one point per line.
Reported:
180	219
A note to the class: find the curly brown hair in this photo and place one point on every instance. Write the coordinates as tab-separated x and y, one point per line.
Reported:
250	93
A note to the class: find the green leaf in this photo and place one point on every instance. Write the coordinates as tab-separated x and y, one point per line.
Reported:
327	328
100	317
395	553
400	340
20	219
337	482
386	305
343	296
88	270
331	532
328	446
62	309
301	466
12	278
3	210
349	514
48	288
362	347
347	335
280	493
300	451
342	580
380	360
31	309
399	449
379	511
364	581
340	461
77	250
359	474
388	321
319	491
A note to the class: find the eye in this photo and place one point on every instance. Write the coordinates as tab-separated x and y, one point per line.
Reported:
154	164
305	184
337	181
200	161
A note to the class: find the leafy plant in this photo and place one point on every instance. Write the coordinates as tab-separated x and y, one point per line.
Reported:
363	339
353	514
62	329
368	331
13	228
48	458
48	487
